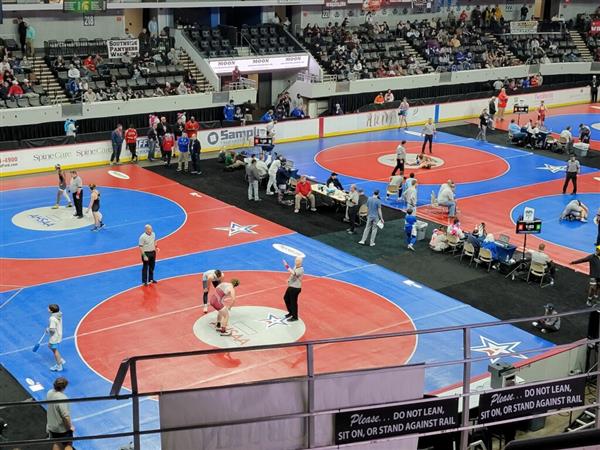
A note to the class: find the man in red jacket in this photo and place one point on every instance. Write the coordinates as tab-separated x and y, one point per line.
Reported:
15	90
131	141
304	191
192	127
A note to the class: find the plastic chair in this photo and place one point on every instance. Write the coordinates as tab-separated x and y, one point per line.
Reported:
453	242
485	256
538	270
469	251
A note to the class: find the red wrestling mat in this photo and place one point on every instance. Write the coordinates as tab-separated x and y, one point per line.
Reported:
376	160
197	234
163	318
495	210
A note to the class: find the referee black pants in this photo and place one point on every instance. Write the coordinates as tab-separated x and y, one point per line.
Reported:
148	267
427	138
291	300
572	177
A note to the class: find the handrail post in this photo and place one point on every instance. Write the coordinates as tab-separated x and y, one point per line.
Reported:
464	435
310	369
597	348
135	405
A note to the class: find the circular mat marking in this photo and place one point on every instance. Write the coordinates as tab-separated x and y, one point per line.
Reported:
163	317
30	228
251	325
596	126
48	219
367	160
576	235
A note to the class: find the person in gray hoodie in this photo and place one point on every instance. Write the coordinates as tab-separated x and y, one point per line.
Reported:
253	176
55	332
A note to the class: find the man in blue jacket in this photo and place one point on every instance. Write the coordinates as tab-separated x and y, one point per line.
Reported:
183	145
117	144
267	117
229	111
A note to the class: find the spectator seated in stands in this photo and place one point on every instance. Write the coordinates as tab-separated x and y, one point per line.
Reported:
542	47
267	117
15	91
156	71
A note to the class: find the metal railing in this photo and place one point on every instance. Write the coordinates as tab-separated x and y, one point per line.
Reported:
130	366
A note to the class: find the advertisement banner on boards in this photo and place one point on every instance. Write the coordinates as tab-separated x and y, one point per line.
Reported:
121	47
523	26
28	160
381	423
259	63
529	400
595	28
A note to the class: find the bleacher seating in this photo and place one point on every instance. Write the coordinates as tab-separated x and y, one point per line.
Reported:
224	41
454	47
362	52
157	71
19	86
542	47
212	42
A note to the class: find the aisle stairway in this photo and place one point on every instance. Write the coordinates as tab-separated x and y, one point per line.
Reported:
187	62
583	49
48	81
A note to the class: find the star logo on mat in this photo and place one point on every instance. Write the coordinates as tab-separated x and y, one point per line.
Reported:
273	320
236	228
553	169
496	350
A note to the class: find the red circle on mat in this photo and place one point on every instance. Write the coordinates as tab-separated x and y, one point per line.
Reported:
461	164
160	319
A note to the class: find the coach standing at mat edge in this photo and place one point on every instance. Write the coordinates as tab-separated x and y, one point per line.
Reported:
148	251
294	288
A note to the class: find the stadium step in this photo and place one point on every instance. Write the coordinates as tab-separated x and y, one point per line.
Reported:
46	79
243	51
201	80
585	420
579	41
500	45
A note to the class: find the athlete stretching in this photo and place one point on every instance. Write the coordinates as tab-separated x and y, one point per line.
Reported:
217	301
209	277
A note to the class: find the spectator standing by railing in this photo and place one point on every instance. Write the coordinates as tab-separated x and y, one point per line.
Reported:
22	32
29	40
502	103
131	136
152	141
524	12
58	415
229	111
183	145
116	138
594	89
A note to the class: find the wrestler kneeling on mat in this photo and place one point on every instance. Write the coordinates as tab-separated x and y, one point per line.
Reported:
223	299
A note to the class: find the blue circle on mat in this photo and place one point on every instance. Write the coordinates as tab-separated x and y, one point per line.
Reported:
560	122
575	235
125	212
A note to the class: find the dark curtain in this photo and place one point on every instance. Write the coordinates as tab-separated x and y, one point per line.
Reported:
100	128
